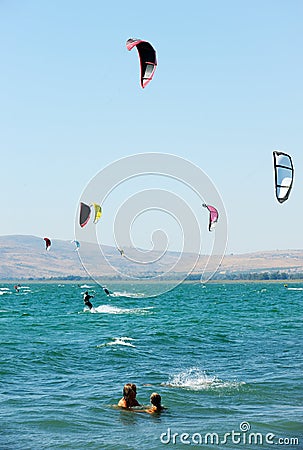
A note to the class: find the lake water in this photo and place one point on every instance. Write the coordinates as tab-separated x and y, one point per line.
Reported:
226	359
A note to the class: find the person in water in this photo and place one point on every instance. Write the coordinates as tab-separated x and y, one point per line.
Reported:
86	299
129	396
156	407
106	291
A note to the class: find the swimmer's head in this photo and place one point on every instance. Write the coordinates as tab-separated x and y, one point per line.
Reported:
155	399
128	391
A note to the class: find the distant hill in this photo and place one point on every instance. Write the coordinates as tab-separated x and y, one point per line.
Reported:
271	264
25	257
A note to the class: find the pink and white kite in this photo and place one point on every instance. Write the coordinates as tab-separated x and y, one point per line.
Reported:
148	59
213	216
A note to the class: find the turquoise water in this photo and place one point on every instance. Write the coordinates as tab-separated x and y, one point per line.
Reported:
225	358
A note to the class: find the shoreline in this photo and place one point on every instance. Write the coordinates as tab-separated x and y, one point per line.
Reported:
104	281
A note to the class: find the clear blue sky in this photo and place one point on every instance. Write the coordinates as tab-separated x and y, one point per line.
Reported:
226	93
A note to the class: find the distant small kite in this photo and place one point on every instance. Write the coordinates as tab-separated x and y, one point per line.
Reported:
121	251
284	175
85	212
77	244
213	216
98	212
47	243
148	59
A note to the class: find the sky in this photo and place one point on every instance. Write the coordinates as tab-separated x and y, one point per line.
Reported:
227	92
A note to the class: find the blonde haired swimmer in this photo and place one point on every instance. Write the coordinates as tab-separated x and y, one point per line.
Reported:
156	406
155	400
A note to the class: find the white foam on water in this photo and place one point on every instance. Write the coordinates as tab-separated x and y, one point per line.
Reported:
195	379
108	309
87	310
127	294
119	341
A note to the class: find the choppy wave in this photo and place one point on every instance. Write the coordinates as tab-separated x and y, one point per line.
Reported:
21	289
127	294
119	341
3	291
108	309
196	379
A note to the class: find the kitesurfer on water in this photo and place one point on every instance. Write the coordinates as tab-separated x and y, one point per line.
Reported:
86	299
106	291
